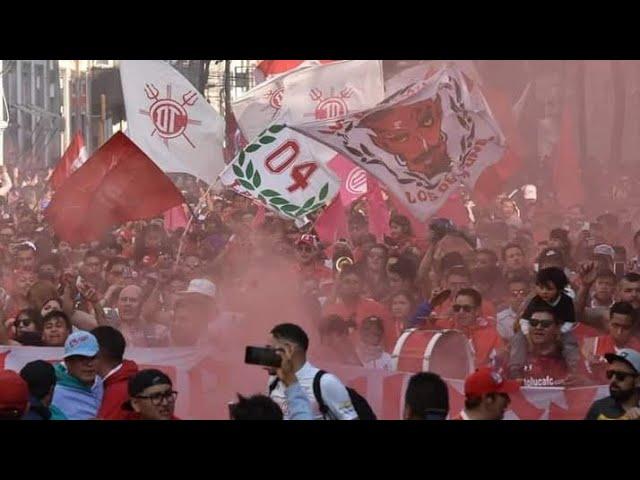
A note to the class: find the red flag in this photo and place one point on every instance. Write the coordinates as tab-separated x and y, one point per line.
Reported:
274	67
565	161
73	158
119	183
353	179
332	223
175	218
379	214
492	181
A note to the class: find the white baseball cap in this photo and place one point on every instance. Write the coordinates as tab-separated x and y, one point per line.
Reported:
201	286
604	249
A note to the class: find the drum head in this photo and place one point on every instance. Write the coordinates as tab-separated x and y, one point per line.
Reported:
450	357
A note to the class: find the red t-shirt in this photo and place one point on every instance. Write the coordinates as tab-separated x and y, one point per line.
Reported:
544	370
363	309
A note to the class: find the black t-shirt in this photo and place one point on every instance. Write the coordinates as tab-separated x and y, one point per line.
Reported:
605	409
564	310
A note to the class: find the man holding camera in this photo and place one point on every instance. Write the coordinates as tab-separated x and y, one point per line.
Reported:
292	339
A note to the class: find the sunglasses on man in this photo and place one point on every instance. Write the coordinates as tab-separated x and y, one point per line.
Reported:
465	308
23	322
540	323
620	376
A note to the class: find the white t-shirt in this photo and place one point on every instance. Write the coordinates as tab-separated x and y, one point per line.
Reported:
334	394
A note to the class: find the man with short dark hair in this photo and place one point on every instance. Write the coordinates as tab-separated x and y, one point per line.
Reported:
513	257
486	395
255	407
623	403
41	380
629	289
622	319
25	257
292	338
466	316
541	361
114	370
426	398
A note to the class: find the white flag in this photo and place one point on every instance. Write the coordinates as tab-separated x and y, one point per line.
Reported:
421	142
278	170
260	106
170	121
331	91
424	69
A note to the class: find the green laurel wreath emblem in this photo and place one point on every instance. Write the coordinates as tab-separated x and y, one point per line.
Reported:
250	179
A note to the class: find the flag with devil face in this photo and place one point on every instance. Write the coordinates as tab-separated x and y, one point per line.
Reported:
422	142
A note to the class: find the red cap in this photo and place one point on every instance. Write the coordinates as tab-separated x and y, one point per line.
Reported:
14	392
484	380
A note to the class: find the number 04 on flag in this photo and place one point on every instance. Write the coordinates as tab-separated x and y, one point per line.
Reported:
279	170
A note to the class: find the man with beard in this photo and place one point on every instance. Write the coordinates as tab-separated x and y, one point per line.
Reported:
624	400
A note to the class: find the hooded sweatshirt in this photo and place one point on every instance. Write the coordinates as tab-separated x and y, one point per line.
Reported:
116	391
76	400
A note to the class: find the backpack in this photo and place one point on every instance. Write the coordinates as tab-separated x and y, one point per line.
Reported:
360	404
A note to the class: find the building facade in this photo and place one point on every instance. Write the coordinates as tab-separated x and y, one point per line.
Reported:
33	101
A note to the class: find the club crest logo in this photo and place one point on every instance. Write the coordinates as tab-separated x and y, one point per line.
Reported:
170	118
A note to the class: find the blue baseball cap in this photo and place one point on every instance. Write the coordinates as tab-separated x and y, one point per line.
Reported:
81	343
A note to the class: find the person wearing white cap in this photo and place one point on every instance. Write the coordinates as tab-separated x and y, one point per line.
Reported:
623	403
194	309
78	391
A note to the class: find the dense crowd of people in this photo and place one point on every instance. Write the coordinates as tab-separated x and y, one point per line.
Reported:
542	296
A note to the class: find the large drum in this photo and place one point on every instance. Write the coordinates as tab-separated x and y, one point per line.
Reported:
446	352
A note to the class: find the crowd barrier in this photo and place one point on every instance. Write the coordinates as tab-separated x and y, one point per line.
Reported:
206	384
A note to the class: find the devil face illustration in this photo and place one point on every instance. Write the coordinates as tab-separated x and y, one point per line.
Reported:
412	133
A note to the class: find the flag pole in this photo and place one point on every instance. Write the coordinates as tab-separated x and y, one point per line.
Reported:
193	215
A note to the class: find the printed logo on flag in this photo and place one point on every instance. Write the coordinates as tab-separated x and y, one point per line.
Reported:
333	106
356	182
170	118
275	98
